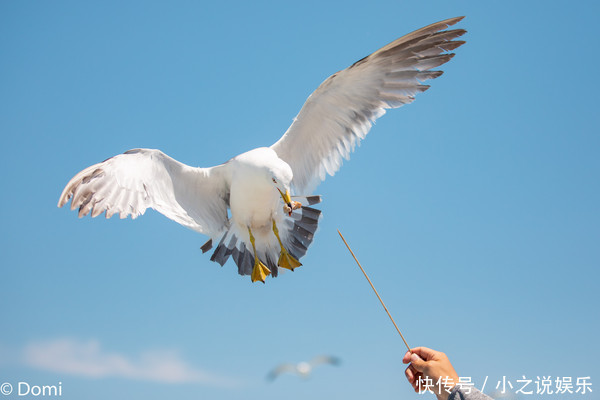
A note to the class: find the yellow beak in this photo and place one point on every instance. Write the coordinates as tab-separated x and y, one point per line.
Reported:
286	197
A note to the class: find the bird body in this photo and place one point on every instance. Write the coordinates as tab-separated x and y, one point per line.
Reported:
255	202
245	205
303	368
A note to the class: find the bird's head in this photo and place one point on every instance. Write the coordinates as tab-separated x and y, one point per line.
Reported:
281	179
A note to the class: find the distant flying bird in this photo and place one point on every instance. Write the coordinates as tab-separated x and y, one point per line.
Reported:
504	395
303	368
260	232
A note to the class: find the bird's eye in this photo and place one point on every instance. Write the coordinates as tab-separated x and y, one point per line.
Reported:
274	181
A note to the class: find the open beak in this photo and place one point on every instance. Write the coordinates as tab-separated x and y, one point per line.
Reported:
286	198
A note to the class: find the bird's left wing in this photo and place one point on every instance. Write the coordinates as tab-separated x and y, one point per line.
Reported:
130	183
341	111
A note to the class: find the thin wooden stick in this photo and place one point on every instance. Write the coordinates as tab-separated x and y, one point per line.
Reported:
375	290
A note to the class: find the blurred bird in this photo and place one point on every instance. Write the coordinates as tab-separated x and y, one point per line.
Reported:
504	395
303	368
266	228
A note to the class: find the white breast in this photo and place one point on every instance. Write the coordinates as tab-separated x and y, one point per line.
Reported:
254	199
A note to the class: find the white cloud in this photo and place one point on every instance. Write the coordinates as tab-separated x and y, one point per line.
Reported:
87	358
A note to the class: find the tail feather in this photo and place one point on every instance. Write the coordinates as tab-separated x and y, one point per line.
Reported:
235	254
307	200
303	231
272	265
219	254
302	235
311	213
245	261
296	231
231	246
206	246
296	248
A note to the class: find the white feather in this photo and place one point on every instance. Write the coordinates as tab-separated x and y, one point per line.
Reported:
130	183
334	119
342	110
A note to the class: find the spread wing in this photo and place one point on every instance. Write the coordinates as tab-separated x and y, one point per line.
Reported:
281	369
130	183
325	360
337	115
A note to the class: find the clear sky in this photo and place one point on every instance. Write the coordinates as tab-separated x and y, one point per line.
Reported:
475	210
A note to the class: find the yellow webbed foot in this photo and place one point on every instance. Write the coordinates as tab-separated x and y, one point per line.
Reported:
259	272
286	260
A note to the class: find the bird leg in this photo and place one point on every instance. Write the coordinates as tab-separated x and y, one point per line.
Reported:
286	260
260	270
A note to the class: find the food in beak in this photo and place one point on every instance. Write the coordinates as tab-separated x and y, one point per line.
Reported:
289	205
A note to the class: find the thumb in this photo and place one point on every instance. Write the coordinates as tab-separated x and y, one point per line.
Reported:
417	362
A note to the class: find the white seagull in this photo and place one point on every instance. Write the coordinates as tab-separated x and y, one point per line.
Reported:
303	368
260	232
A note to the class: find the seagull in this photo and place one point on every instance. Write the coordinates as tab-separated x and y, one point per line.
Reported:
245	205
303	368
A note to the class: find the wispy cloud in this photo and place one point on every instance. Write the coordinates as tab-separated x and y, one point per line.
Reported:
88	359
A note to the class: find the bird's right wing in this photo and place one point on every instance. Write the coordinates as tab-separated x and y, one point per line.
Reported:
130	183
280	369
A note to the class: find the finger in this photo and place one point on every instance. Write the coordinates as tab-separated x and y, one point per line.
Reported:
410	375
418	381
416	376
417	362
406	358
425	353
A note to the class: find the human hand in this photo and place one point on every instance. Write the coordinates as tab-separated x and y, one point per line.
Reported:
430	370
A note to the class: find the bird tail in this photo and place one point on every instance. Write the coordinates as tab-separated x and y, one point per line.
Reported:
296	233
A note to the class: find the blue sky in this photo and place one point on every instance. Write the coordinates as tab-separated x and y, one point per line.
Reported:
474	209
